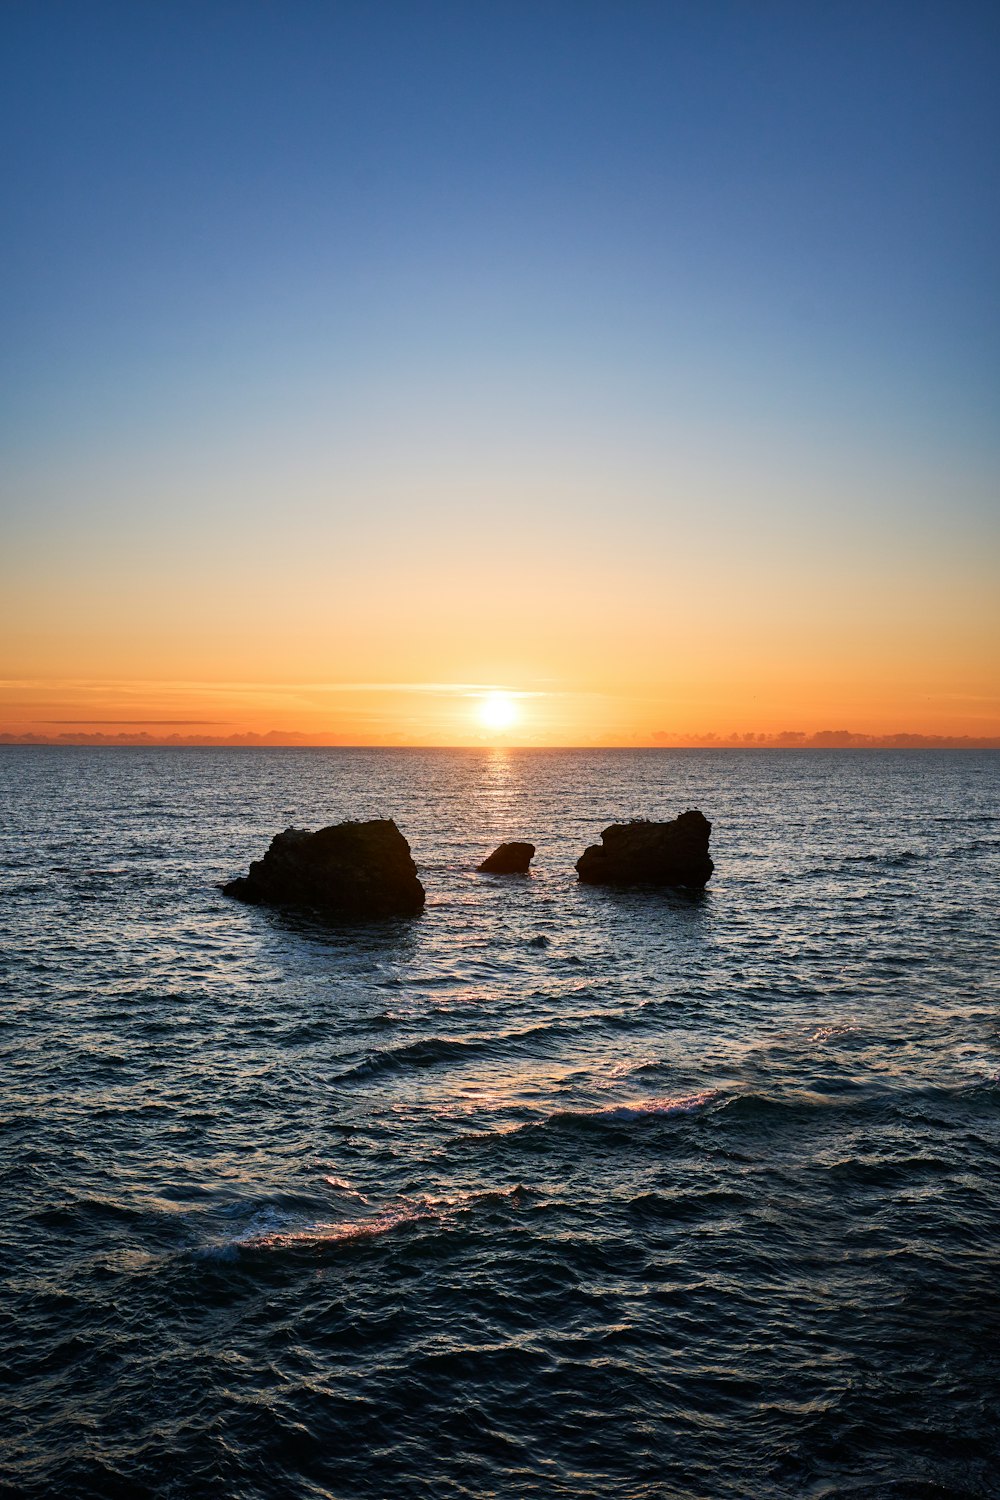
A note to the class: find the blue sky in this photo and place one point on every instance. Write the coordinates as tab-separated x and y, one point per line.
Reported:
208	182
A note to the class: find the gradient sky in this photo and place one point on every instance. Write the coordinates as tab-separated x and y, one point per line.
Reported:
638	358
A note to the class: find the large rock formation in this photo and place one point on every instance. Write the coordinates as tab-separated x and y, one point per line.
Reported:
674	853
509	859
353	870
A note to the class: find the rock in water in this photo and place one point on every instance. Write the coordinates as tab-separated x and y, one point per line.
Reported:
509	859
674	853
349	870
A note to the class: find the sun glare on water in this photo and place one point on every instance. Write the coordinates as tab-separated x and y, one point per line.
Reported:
497	712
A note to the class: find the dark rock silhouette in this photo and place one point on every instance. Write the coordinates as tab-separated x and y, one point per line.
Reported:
509	859
674	853
354	870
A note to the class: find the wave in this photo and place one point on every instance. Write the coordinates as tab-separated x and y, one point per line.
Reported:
622	1113
740	1106
340	1233
891	859
325	1235
966	818
422	1054
77	1213
857	864
429	1051
686	1104
833	1031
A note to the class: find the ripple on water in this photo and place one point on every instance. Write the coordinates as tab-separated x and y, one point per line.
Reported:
551	1192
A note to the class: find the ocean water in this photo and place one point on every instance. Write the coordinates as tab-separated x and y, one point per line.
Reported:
553	1191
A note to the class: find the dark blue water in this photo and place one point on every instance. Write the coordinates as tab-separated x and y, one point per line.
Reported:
554	1191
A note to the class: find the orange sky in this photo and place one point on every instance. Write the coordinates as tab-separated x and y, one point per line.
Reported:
627	628
621	621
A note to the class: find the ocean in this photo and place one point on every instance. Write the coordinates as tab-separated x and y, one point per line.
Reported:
554	1191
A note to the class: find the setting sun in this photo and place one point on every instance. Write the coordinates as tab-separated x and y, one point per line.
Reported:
498	712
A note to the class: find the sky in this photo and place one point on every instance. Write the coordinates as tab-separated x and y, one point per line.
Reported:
638	361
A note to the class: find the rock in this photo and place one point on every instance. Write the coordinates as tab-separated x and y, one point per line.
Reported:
674	853
354	870
509	859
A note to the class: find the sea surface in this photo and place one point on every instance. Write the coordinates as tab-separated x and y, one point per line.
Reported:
554	1191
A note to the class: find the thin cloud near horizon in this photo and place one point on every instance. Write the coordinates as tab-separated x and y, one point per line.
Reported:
828	739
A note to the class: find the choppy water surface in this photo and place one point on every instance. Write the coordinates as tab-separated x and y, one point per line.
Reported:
554	1191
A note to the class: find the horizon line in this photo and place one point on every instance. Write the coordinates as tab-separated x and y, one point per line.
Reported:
274	740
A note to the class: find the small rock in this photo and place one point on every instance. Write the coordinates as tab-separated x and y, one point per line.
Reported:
672	853
509	859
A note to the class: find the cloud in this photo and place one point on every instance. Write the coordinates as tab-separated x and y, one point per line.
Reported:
824	739
146	723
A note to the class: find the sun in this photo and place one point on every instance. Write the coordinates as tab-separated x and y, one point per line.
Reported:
498	712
